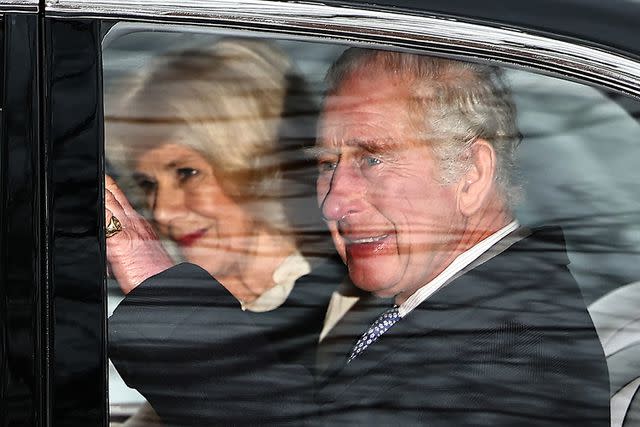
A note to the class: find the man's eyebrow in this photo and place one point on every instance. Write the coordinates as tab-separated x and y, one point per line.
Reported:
318	151
374	145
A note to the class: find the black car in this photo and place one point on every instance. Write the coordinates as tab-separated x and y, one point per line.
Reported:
573	68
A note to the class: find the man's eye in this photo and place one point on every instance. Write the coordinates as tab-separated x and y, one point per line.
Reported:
372	161
186	173
327	165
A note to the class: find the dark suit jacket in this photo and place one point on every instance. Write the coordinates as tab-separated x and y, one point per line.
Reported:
508	343
182	340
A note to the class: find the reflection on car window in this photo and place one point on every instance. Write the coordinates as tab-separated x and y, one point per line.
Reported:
303	232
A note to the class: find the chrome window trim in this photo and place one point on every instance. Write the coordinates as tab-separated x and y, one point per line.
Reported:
19	6
384	27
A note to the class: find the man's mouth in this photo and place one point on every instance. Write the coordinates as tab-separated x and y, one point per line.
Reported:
364	240
190	239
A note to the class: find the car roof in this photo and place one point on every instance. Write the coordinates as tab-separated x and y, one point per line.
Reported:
612	23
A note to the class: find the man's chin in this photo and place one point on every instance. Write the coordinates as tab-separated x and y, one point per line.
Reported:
372	281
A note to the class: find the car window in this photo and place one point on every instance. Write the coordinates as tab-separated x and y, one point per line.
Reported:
265	194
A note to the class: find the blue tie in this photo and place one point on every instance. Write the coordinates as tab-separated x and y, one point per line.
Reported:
377	328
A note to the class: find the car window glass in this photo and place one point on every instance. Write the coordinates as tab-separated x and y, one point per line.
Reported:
241	181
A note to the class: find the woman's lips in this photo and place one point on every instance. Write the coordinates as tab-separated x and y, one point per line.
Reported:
189	239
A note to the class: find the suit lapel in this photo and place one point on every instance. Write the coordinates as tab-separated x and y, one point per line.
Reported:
334	349
376	362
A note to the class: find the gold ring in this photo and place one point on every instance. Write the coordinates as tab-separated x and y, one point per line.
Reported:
113	228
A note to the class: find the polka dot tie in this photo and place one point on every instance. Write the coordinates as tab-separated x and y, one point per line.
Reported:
377	328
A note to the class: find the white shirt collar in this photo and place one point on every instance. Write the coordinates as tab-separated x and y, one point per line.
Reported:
461	261
284	278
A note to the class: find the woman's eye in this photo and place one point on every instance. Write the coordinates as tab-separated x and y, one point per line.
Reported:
145	184
186	173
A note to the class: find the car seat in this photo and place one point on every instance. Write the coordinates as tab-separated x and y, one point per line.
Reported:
616	317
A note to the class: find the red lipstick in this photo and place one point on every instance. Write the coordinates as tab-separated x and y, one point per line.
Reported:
189	239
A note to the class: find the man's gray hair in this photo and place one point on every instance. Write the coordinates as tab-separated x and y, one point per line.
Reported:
453	104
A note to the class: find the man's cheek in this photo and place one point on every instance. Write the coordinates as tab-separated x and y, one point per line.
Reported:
339	244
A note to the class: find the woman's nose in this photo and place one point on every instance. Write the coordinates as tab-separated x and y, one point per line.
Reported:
167	205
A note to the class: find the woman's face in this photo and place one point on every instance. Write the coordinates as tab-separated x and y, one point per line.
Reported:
189	206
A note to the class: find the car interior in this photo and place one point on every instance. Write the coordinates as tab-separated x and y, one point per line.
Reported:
577	165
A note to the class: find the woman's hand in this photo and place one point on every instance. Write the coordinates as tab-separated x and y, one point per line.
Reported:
135	253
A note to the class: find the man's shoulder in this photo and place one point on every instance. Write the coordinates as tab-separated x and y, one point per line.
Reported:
545	241
533	260
528	283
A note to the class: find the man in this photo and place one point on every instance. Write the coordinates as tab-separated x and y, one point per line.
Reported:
489	326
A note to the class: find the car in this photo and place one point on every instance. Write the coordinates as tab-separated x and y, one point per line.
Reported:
574	69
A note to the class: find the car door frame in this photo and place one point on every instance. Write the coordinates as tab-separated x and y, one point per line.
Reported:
62	297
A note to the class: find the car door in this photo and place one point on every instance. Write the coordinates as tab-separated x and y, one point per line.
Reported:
22	265
577	102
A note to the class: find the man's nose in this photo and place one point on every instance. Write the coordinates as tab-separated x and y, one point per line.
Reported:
167	205
345	193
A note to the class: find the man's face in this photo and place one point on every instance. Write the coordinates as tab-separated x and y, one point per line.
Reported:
392	221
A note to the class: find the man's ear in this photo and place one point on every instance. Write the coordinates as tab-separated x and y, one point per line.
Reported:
477	183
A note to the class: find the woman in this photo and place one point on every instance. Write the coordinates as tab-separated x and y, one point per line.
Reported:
201	132
213	138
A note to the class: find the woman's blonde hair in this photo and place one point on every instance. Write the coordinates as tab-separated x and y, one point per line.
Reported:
238	102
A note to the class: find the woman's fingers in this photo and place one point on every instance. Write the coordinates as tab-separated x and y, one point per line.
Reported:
116	192
113	207
135	253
